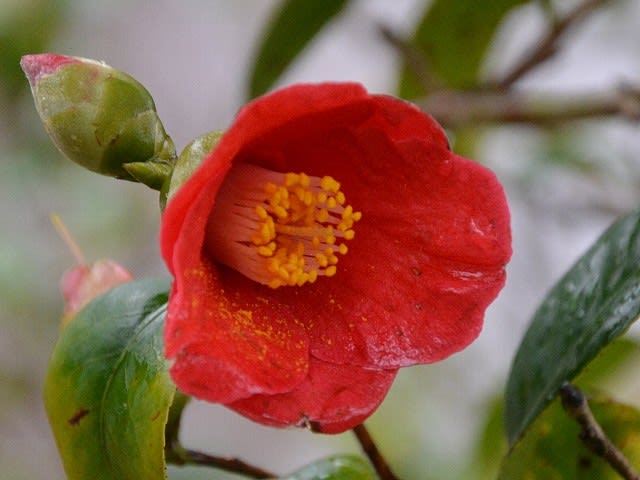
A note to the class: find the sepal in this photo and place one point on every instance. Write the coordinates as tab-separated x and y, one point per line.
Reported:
188	161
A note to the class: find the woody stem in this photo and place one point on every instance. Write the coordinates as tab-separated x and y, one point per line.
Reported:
548	45
182	456
456	109
371	450
591	434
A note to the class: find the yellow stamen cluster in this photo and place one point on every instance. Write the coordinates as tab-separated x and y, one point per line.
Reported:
280	228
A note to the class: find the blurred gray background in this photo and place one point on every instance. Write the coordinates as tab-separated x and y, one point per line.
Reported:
565	187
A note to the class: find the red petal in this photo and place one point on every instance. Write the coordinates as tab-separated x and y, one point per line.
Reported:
332	399
226	347
429	252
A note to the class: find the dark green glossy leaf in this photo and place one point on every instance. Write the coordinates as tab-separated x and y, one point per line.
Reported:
291	29
592	305
108	391
340	467
551	449
455	37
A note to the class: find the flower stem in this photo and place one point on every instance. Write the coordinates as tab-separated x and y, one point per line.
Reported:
575	404
372	452
183	456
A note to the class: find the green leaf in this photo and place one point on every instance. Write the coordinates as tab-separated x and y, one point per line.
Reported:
290	30
454	37
107	392
339	467
551	449
592	305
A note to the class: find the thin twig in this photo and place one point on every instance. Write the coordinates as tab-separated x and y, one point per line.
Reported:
176	454
233	465
548	46
68	239
575	404
457	108
371	450
414	59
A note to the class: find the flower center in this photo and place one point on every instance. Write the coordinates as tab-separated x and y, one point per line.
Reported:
279	228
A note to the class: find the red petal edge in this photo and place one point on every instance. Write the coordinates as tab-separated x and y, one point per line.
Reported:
332	399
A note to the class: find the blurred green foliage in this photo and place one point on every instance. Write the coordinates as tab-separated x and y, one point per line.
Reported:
292	27
26	26
452	40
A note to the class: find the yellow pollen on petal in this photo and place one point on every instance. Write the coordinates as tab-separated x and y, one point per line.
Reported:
280	229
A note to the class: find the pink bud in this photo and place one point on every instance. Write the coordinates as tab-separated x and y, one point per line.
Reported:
83	283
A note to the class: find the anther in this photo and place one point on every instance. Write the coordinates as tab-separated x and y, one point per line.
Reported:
280	228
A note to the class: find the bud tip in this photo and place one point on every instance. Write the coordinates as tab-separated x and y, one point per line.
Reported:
83	283
34	66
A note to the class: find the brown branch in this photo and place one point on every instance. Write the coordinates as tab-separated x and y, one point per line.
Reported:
592	435
414	59
181	456
371	450
548	45
457	108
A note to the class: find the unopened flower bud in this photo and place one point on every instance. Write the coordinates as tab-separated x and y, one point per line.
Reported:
83	283
100	117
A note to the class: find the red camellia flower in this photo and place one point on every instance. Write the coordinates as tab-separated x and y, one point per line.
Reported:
330	238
